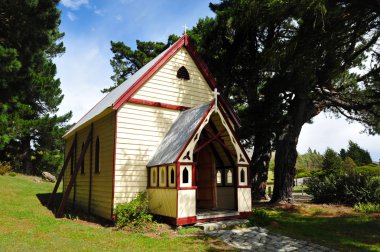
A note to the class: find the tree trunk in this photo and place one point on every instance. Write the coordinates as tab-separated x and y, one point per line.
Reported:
259	168
26	157
286	150
285	161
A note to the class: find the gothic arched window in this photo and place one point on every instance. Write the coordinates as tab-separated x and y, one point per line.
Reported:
183	74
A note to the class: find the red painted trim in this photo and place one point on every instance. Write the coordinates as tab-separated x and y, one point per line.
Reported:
157	104
173	49
178	174
247	186
195	131
114	167
188	188
187	163
193	177
245	215
236	138
178	169
167	176
186	220
235	173
193	219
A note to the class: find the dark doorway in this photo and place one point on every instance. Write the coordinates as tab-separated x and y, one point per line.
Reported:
206	179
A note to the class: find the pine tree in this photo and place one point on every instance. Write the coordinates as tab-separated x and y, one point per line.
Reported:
29	92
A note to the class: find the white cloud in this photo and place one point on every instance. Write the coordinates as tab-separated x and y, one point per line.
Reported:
71	16
74	4
83	70
99	12
335	133
119	18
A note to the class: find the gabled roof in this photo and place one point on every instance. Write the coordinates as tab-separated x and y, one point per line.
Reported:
121	94
179	133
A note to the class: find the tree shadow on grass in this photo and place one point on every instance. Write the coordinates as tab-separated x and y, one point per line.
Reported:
75	214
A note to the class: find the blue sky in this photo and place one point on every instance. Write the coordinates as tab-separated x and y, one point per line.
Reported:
90	25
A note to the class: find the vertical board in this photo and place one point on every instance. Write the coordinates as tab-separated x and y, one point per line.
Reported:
140	129
165	87
244	200
186	203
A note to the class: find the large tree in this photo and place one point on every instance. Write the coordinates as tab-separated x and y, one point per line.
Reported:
289	60
30	131
283	62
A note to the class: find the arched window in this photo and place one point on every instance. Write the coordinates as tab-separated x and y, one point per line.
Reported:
219	177
229	177
97	156
242	176
185	176
154	178
172	181
82	165
183	74
162	176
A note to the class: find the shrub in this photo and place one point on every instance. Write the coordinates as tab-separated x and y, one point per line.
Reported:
370	170
12	174
347	188
134	214
367	207
260	218
5	167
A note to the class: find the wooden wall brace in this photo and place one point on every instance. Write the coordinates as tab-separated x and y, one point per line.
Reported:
70	155
65	197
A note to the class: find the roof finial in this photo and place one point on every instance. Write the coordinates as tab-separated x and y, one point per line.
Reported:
216	93
185	27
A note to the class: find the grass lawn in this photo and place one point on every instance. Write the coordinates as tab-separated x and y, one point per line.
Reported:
334	226
26	225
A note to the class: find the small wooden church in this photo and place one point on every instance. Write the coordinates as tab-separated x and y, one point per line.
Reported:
166	130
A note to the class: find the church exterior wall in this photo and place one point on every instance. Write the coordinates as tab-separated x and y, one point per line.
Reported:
101	189
140	129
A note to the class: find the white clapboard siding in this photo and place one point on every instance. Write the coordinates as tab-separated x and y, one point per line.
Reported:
101	201
140	129
165	87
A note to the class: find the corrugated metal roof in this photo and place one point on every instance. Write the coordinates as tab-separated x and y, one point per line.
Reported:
178	135
111	97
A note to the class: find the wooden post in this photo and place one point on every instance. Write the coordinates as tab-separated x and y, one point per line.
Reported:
60	176
65	197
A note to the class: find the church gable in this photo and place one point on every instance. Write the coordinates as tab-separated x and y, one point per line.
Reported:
178	82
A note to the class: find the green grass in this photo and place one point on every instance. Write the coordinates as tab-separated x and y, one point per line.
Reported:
26	225
344	231
300	188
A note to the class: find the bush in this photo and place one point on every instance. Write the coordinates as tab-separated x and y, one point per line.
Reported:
367	207
12	174
5	167
370	170
260	218
134	214
347	188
